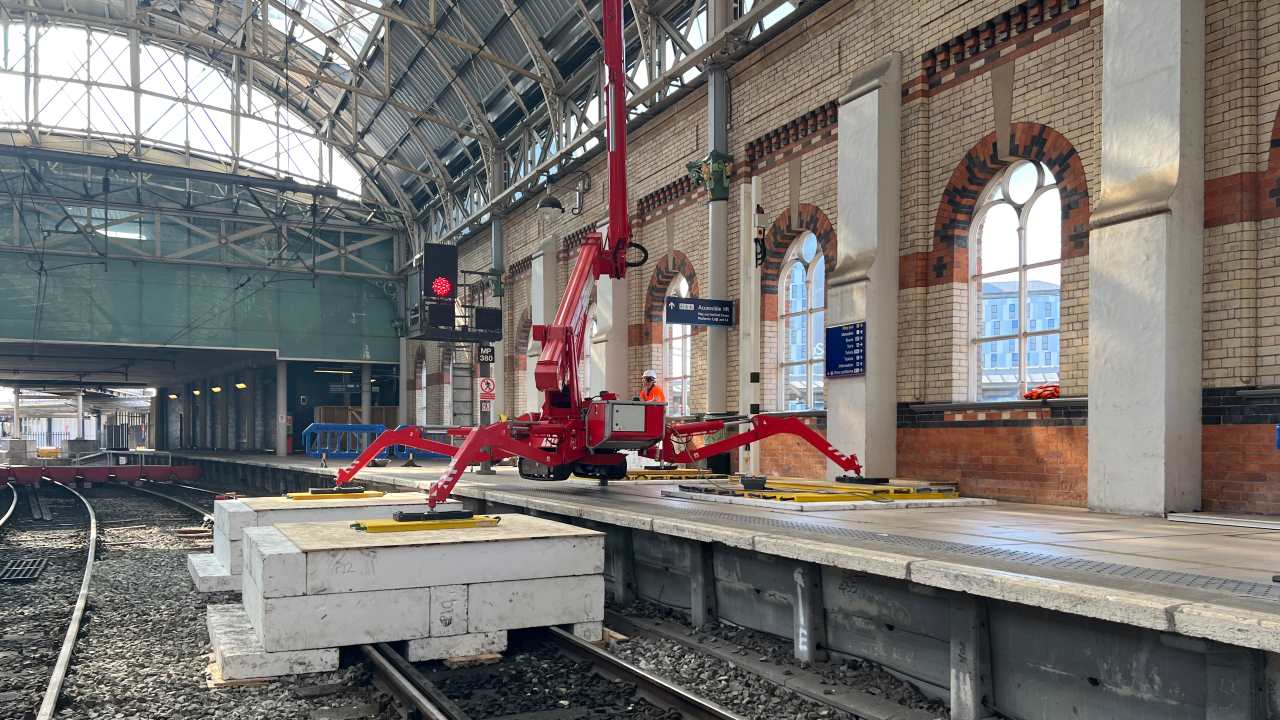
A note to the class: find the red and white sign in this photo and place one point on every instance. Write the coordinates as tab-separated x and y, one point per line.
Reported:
488	389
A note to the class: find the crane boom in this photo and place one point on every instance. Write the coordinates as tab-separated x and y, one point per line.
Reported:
572	435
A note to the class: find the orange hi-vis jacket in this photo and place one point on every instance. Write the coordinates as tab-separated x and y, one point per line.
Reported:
653	394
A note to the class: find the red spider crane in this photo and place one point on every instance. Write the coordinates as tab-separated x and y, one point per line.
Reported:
572	434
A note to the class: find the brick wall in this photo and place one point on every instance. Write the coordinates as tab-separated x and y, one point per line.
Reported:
1034	464
789	456
1241	469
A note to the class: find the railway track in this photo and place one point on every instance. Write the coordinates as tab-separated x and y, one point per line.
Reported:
55	546
12	504
547	674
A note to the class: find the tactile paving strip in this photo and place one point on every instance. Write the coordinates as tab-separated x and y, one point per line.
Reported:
21	570
1239	588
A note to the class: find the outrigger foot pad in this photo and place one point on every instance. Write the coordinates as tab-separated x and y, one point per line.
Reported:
861	480
336	490
401	516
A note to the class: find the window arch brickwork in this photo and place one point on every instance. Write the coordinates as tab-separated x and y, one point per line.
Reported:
778	238
782	232
1030	141
673	264
667	268
947	262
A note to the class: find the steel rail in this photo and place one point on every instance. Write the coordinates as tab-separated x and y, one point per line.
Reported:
205	514
415	689
12	504
50	703
649	686
409	684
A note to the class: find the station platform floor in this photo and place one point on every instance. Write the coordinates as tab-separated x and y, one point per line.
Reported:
1202	580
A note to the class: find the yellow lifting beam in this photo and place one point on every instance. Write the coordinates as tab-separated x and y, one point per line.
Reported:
674	474
819	492
334	496
389	526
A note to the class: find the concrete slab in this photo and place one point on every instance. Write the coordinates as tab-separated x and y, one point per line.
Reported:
790	506
439	648
448	610
340	559
327	621
240	655
273	562
231	517
535	603
209	575
318	585
228	551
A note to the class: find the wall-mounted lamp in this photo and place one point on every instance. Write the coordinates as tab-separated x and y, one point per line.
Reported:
216	389
241	386
173	396
550	204
196	392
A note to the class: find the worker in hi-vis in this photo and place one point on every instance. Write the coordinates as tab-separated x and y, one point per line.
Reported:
649	390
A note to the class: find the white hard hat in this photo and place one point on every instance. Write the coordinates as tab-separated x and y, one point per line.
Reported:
650	374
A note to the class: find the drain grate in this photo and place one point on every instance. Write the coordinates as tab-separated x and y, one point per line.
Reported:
22	570
1237	588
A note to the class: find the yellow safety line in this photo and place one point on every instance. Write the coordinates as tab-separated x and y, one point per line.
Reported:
390	526
334	496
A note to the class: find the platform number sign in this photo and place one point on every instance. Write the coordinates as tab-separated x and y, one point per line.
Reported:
486	354
488	389
847	350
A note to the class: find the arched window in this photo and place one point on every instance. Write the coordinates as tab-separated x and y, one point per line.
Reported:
1016	283
677	354
801	336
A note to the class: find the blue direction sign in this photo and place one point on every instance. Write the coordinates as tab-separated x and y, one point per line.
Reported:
847	350
698	311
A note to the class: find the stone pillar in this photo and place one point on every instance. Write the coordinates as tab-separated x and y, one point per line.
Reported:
1146	260
543	296
862	410
751	223
282	408
227	423
405	391
497	261
366	393
258	428
17	413
714	175
609	346
208	440
80	415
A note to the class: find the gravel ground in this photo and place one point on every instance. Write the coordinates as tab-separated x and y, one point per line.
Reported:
537	679
748	694
144	650
36	613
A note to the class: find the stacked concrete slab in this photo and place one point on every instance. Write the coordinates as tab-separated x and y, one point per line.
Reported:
219	571
309	588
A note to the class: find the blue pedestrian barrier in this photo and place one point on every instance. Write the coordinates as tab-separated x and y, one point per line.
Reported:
338	440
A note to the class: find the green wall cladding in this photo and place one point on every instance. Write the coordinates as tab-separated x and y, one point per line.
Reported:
328	318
